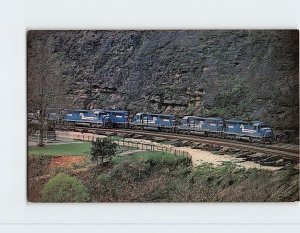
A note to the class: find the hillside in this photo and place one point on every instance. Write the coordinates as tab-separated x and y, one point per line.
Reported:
234	74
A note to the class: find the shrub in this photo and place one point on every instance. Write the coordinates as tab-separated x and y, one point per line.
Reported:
159	159
64	188
105	178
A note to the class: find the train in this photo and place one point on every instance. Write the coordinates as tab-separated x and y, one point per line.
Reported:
253	131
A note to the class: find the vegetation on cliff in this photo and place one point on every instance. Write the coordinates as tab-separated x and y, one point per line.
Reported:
234	74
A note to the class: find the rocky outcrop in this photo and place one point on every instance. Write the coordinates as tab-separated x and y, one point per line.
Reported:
240	74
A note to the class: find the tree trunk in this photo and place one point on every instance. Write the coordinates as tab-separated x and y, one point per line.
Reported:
41	137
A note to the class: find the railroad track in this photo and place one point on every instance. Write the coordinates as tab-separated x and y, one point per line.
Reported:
283	152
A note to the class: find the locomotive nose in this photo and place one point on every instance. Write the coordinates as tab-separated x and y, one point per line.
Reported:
268	133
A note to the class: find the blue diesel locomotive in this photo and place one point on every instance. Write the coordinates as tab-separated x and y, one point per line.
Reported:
96	118
93	118
212	126
255	131
154	121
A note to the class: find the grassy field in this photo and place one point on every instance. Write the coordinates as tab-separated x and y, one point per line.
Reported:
82	148
61	149
146	156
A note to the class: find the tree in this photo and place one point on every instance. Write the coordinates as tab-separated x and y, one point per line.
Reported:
46	86
64	188
103	149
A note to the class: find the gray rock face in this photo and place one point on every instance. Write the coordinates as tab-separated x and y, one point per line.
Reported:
241	74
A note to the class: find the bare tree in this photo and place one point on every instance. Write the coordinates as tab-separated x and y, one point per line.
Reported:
46	86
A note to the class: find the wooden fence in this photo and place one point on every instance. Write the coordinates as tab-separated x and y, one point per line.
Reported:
124	142
48	136
150	147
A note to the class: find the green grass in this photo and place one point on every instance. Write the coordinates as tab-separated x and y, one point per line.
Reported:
156	157
83	148
61	149
121	149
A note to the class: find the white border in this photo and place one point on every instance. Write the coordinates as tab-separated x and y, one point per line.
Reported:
16	17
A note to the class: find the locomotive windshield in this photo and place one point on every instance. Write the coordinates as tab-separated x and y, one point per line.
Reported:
103	114
165	117
263	126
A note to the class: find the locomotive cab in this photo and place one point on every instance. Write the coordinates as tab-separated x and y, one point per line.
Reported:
184	122
137	121
138	118
102	118
266	132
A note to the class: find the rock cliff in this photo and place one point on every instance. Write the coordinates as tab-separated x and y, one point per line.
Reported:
234	74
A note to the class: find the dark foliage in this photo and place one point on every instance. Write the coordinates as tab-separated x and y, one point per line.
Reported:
103	150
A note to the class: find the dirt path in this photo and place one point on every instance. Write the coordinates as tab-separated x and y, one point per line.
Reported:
130	152
201	156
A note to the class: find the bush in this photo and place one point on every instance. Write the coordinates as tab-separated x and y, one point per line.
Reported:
159	159
64	188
